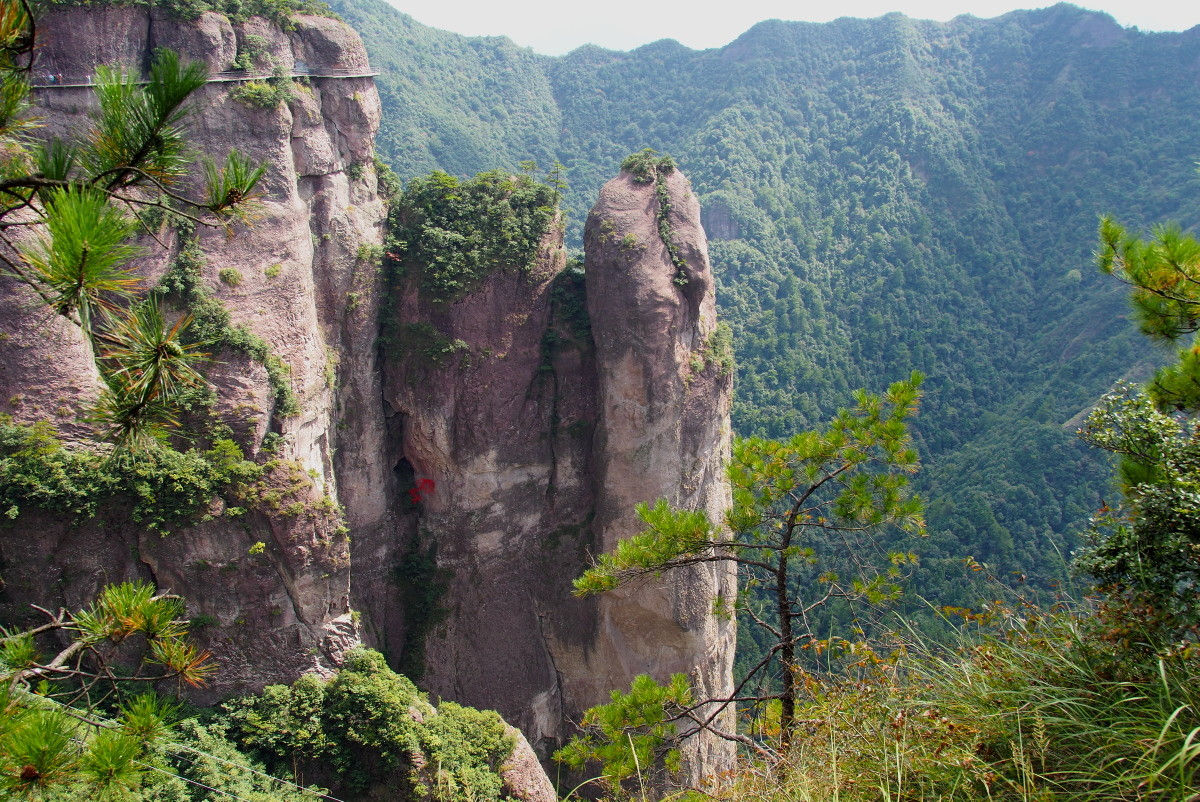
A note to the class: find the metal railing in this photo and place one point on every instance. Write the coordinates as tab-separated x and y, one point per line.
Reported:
58	81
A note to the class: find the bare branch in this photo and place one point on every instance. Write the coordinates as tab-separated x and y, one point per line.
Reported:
744	740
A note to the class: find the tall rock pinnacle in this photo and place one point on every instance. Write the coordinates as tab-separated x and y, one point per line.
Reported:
535	436
663	430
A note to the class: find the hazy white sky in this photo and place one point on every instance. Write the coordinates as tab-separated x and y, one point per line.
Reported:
557	26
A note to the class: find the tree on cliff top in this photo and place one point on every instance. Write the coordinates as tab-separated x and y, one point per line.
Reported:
68	211
790	500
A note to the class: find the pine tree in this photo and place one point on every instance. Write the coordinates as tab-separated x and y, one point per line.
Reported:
846	481
1145	553
69	212
1163	273
60	727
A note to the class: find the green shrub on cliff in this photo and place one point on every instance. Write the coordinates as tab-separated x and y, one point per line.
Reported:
370	727
452	233
162	488
646	165
279	11
200	764
269	93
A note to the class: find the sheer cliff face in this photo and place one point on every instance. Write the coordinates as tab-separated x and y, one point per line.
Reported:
533	443
286	609
494	438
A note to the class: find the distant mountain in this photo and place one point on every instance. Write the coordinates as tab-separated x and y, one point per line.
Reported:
881	195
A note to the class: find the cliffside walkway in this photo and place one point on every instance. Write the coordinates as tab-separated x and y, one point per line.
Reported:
227	76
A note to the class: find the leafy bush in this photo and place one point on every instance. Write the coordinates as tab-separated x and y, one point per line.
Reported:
268	94
390	185
718	349
253	51
647	165
200	757
1145	553
468	747
164	488
370	727
451	233
369	253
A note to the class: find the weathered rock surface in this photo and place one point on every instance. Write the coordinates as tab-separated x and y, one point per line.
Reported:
286	610
538	447
523	776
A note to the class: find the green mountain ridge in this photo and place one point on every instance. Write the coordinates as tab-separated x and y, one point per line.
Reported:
880	195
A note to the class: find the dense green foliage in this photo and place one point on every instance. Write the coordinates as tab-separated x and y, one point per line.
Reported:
364	731
451	233
160	487
199	763
1145	553
370	728
55	739
266	94
647	165
881	195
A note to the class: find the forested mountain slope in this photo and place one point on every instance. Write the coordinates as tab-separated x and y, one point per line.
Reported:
882	195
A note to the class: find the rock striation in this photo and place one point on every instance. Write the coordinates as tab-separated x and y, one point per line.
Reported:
536	439
277	611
